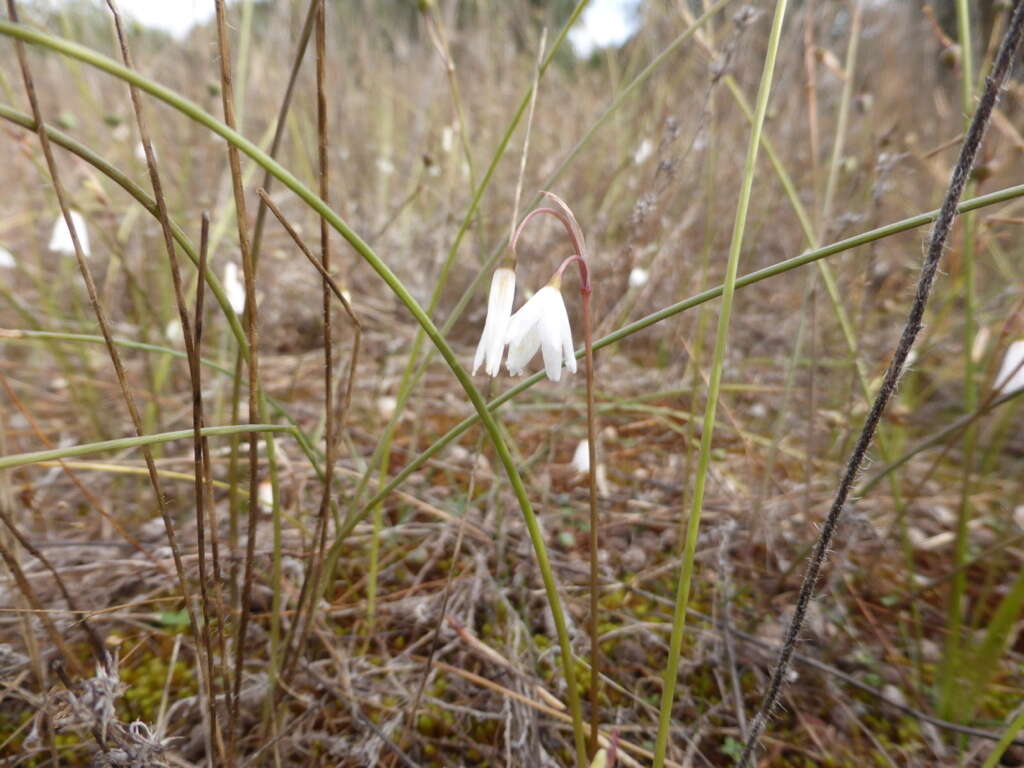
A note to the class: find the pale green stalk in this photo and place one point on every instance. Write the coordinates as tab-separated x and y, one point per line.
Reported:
1012	729
125	443
707	430
951	703
196	113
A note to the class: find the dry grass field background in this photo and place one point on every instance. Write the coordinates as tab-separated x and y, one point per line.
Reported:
414	627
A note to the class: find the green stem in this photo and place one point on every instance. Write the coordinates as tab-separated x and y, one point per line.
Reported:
707	429
1012	729
124	443
950	698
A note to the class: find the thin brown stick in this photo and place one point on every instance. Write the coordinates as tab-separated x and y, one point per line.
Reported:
303	614
206	500
595	647
282	114
101	319
300	627
252	336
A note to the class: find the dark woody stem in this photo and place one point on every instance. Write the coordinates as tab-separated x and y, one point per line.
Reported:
579	258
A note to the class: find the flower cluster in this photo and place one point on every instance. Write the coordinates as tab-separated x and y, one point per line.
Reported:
542	323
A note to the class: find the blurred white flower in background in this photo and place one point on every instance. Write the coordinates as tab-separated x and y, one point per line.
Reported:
173	331
233	288
60	237
638	277
6	258
581	457
1011	372
645	150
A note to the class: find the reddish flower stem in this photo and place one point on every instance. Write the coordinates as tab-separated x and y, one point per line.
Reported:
579	258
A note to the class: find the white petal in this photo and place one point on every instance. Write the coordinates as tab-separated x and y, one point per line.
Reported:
499	311
568	349
557	337
526	318
551	346
520	353
6	258
1011	372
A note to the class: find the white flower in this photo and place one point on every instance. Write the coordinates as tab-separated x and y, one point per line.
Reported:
233	288
1011	372
645	150
581	457
173	331
60	239
265	495
386	406
543	323
638	277
499	311
6	258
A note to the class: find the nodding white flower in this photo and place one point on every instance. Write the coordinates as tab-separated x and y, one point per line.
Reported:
60	238
542	323
1011	372
499	312
581	457
638	277
233	288
6	258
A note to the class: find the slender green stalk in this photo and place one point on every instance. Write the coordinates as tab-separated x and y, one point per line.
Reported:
718	359
124	443
235	139
950	699
1012	729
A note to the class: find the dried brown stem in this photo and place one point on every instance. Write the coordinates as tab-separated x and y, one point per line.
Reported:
252	336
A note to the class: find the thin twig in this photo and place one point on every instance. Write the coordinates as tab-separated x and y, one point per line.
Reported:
252	336
940	233
212	734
